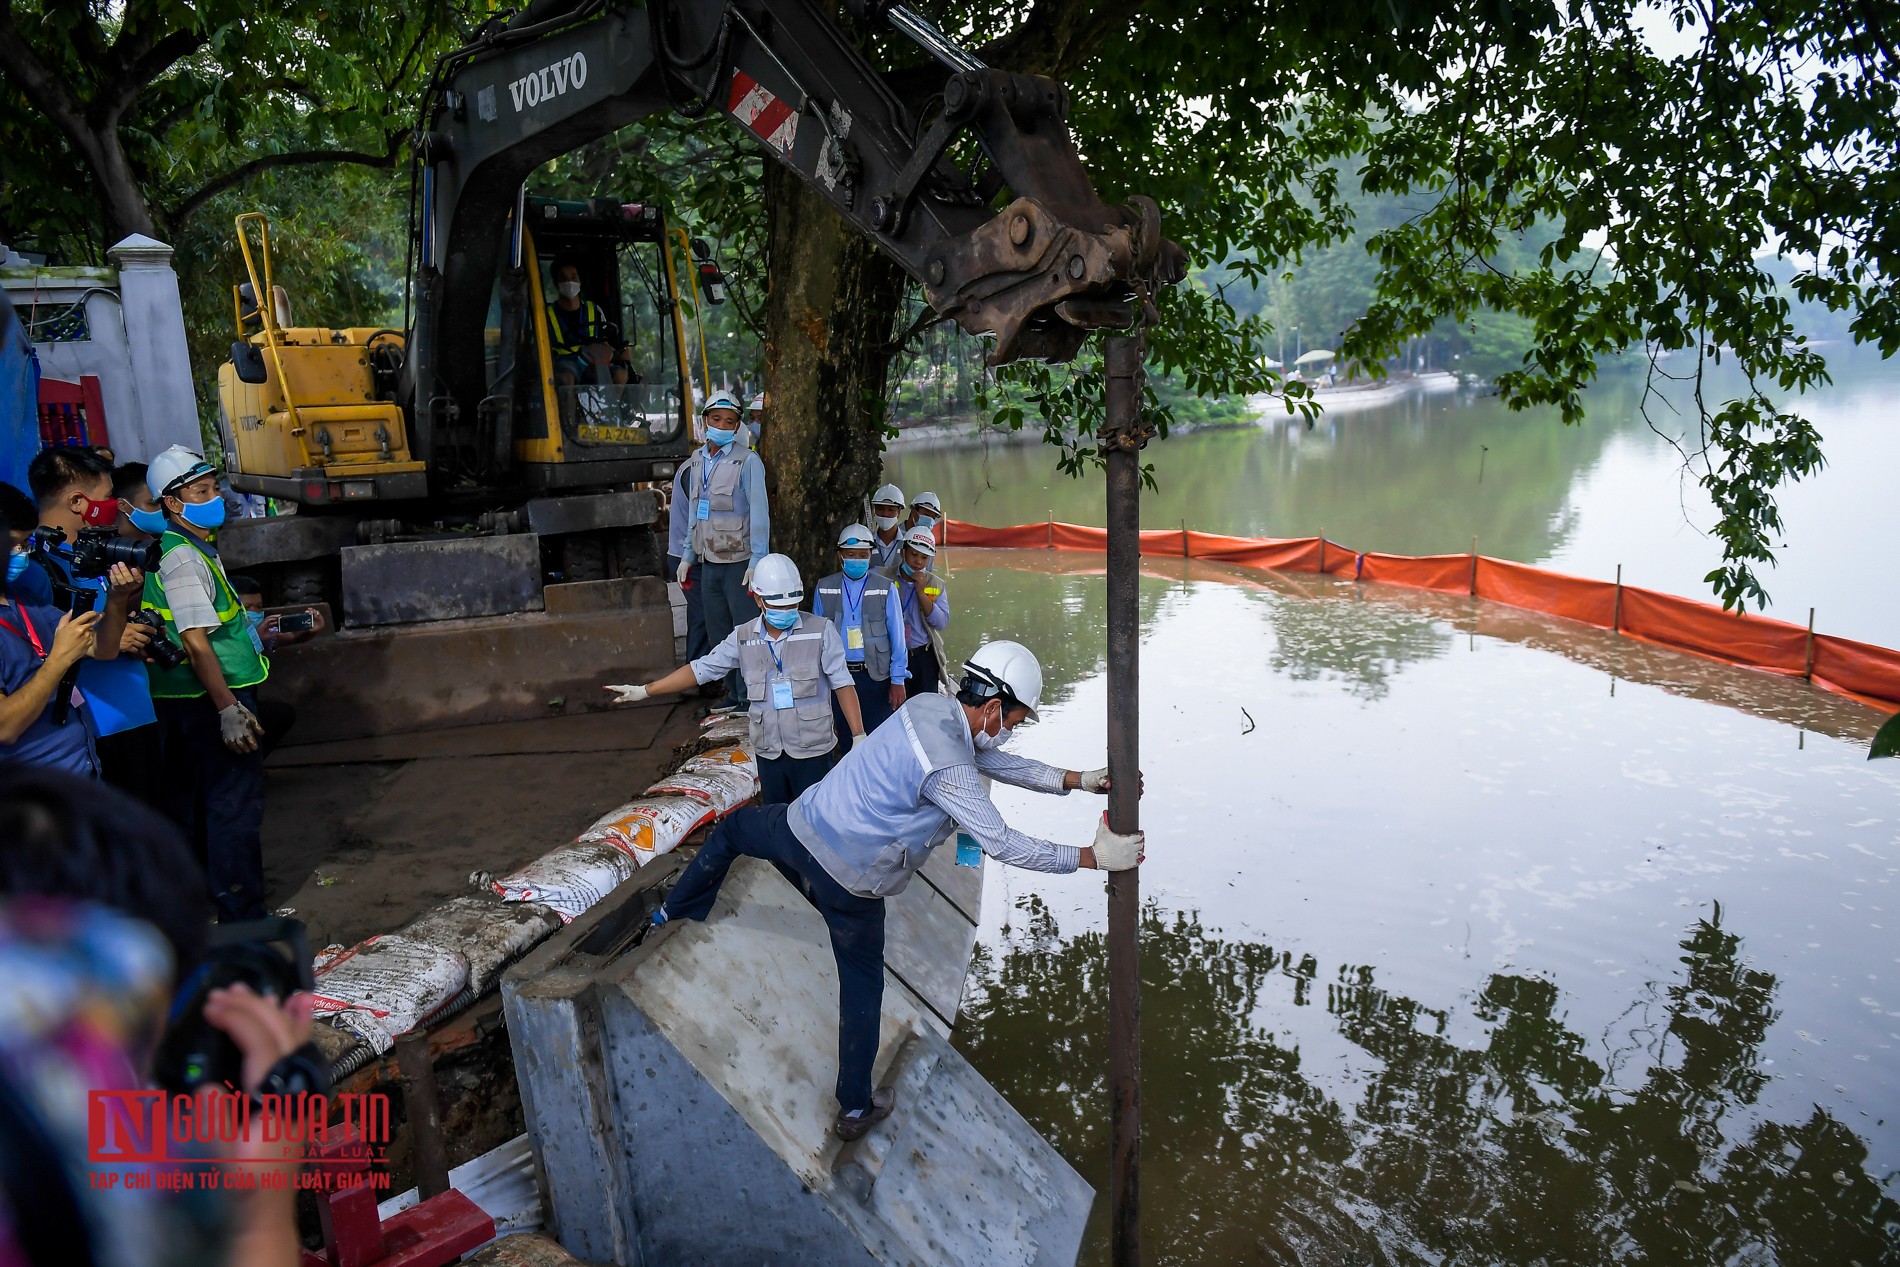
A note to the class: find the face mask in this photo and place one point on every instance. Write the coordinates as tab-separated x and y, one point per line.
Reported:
206	515
16	567
151	522
886	522
984	740
100	514
256	618
857	568
569	290
908	570
719	437
781	617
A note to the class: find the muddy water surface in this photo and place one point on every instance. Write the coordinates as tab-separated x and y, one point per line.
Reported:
1473	936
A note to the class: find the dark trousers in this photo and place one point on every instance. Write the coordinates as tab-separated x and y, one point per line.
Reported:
217	797
874	702
130	761
782	778
696	643
926	675
277	718
856	924
727	603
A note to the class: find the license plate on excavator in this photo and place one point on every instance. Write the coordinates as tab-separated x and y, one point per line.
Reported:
598	433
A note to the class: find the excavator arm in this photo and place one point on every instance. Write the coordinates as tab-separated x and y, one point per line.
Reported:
1054	263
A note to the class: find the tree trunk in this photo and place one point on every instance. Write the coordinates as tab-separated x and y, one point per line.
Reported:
831	316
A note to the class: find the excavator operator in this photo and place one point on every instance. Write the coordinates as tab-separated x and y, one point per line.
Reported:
585	345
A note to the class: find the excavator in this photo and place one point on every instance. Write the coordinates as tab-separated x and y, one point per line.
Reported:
446	472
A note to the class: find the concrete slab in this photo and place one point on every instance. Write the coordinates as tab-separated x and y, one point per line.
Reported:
467	672
679	1094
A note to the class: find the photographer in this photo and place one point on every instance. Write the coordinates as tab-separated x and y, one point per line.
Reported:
74	489
103	911
207	706
44	717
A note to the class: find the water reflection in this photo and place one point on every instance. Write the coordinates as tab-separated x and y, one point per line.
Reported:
1531	1145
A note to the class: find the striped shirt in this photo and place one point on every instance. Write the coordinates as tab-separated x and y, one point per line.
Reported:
959	792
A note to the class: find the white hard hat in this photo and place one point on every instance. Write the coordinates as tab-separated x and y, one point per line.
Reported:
776	580
722	400
889	493
930	500
1008	669
855	535
175	466
921	540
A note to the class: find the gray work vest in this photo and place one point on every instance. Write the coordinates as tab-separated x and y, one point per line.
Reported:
876	629
804	729
867	823
725	535
886	555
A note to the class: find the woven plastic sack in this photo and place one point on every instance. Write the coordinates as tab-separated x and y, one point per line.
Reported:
569	879
726	728
489	934
386	985
724	778
649	827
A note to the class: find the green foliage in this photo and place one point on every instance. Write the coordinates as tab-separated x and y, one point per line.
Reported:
1886	739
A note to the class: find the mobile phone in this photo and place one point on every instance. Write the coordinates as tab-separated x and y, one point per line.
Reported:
296	622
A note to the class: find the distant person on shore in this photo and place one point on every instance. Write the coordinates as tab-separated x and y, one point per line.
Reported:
887	518
793	665
863	604
926	611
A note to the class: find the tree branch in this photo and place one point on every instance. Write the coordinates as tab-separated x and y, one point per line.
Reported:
148	65
265	162
44	90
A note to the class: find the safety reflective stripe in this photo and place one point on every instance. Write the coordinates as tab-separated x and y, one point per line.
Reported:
237	657
590	329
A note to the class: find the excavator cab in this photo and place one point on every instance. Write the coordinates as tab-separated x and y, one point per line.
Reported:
597	384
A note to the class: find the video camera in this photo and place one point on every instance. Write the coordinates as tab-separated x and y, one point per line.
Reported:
96	551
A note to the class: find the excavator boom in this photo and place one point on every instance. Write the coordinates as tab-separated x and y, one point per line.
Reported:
1038	275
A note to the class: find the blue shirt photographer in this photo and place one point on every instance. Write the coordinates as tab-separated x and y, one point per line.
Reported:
118	691
26	635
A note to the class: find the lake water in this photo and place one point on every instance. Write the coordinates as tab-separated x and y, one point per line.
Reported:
1473	936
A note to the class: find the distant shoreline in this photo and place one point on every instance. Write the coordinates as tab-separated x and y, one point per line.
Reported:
971	430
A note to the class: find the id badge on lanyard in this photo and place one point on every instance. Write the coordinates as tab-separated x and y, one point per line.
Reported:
781	693
854	638
969	853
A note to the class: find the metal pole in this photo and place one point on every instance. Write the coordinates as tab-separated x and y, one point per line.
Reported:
417	1073
1123	437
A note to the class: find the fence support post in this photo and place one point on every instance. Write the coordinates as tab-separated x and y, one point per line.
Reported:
1807	670
1616	611
1474	567
1124	435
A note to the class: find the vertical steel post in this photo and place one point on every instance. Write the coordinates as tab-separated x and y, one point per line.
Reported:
1123	437
416	1069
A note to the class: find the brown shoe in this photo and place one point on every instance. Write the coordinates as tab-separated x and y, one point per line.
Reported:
848	1128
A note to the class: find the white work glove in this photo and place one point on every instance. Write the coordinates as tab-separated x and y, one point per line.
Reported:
239	728
1094	780
857	741
626	694
746	580
1117	852
686	570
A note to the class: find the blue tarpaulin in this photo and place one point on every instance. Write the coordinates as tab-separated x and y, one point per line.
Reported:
19	399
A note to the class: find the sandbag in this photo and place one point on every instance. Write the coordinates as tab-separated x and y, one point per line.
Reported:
569	879
489	934
647	828
724	778
386	986
726	728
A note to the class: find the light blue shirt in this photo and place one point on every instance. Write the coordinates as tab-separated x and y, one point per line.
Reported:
749	500
118	691
893	621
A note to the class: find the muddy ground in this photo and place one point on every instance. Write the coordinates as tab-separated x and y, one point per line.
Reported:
360	836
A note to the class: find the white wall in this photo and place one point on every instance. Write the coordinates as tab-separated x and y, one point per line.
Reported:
137	345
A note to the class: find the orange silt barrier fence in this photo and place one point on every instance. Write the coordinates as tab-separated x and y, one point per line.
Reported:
1859	670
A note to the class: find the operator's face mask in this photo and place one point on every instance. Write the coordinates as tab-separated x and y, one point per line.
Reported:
568	290
857	569
781	617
